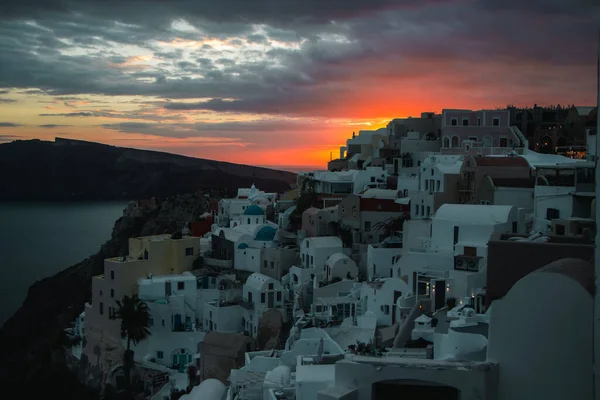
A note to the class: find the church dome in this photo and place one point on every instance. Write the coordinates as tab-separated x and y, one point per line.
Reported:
266	234
254	210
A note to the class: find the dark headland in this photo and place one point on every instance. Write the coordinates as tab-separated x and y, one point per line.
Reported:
74	170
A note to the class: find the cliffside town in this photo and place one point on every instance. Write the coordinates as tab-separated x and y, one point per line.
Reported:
438	256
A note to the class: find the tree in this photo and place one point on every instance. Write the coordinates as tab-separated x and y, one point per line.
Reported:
344	232
390	226
135	322
307	197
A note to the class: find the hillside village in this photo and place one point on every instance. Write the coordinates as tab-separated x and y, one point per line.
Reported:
438	256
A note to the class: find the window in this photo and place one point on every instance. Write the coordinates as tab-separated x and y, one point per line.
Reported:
342	213
248	221
367	226
386	309
312	260
257	220
180	285
479	121
265	263
101	308
379	206
503	142
473	138
162	322
278	296
262	297
514	227
308	241
485	202
416	210
437	186
159	355
101	293
496	121
454	122
455	234
112	274
428	211
272	264
552	213
189	251
270	286
110	312
446	141
465	121
112	293
150	321
426	184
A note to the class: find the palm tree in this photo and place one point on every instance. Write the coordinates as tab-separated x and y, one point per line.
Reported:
390	226
135	322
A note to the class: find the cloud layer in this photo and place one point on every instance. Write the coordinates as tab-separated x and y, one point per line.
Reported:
239	70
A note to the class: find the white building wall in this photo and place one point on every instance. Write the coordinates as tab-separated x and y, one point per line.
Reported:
421	204
546	197
316	257
225	319
381	301
534	328
520	197
380	261
408	183
248	259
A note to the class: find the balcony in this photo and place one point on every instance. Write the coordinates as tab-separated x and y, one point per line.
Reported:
211	259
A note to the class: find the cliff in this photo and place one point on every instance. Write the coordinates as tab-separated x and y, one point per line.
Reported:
32	361
35	170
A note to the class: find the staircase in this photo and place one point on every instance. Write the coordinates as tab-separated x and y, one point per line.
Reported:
252	385
289	312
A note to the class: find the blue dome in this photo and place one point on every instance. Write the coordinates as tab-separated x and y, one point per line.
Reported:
254	210
266	234
243	246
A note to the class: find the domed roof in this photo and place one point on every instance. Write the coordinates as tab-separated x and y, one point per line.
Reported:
243	246
266	233
254	210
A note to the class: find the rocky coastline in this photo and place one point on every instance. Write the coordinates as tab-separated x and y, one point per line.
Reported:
31	341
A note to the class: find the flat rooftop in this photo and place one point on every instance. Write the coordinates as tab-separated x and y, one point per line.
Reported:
420	363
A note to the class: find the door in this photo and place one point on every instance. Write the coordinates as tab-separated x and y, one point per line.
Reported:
188	323
271	299
182	362
440	294
397	295
177	322
167	288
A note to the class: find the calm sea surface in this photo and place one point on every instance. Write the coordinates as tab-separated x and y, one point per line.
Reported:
38	240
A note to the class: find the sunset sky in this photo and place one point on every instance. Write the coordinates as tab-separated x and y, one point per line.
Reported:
279	82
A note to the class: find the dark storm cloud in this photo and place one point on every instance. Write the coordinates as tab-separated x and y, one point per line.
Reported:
273	11
8	125
376	39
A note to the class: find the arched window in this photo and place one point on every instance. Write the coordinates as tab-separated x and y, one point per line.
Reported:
446	142
455	141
